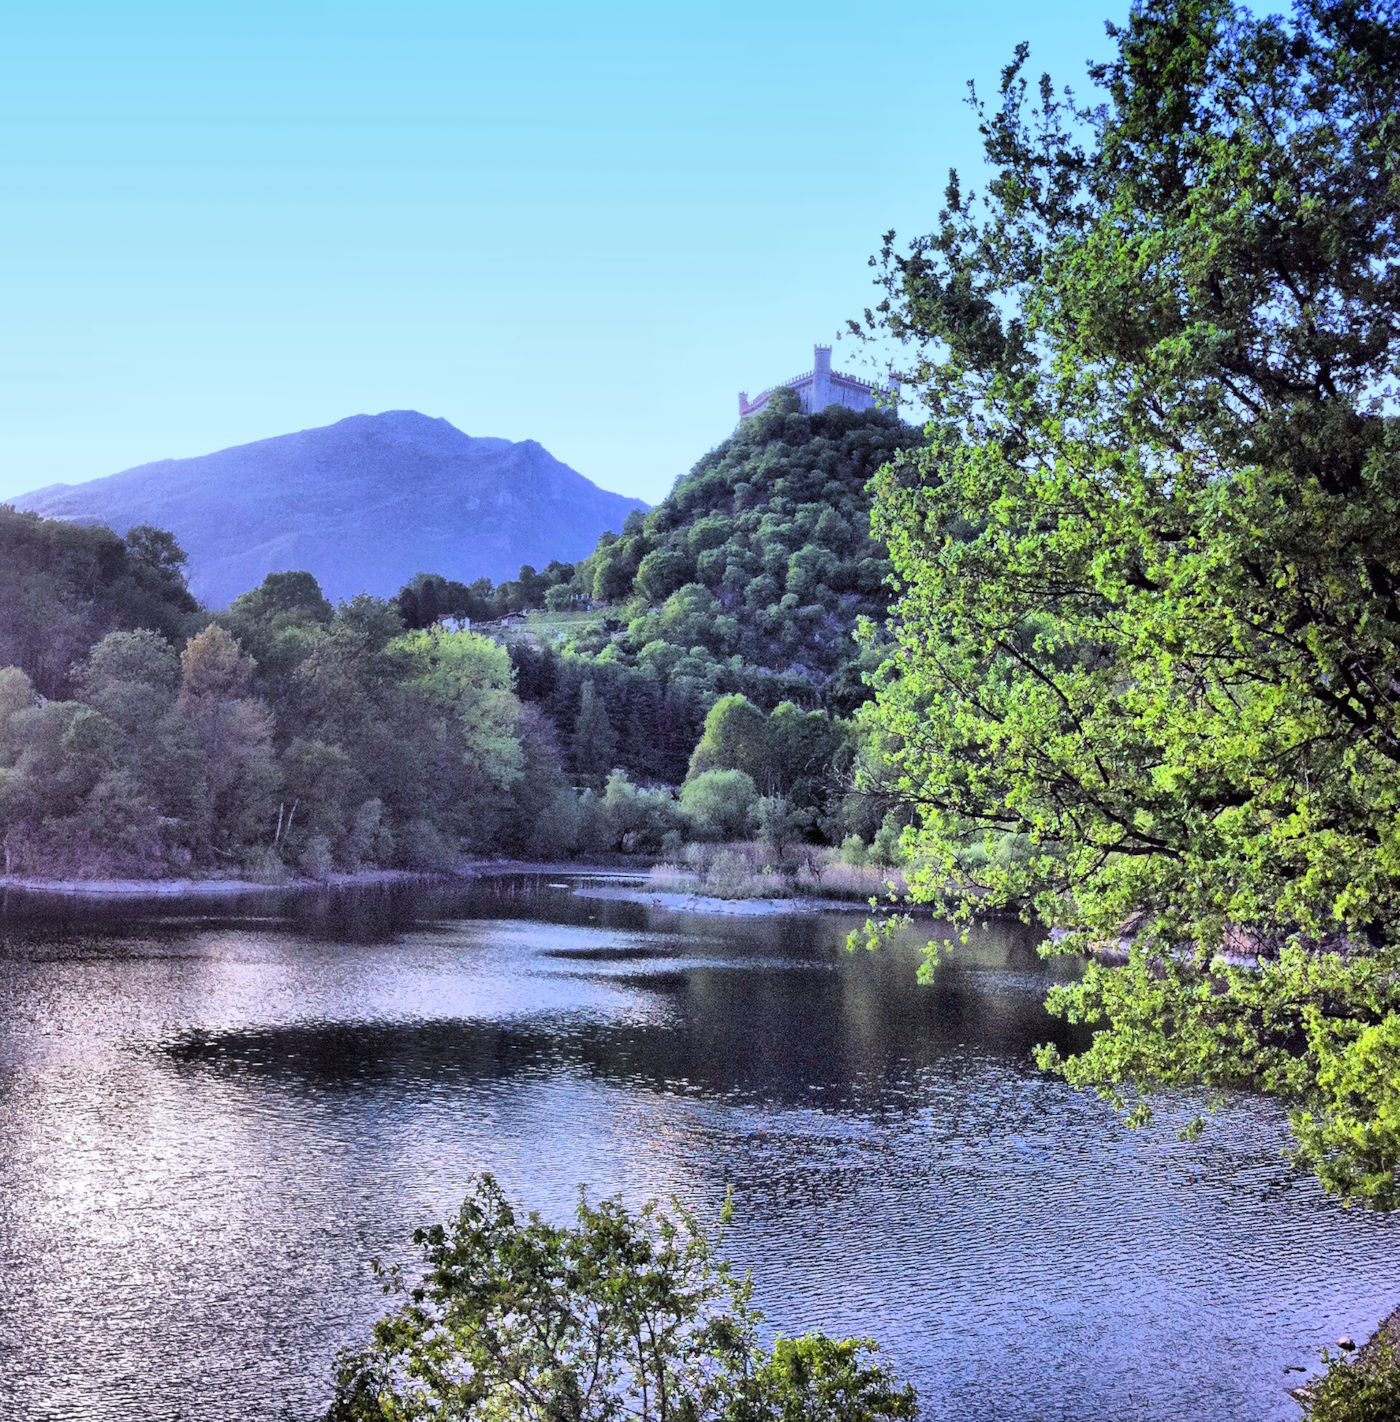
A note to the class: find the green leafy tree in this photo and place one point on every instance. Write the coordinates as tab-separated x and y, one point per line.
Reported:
16	695
1150	557
662	571
63	586
234	732
622	1316
635	819
779	823
320	792
735	738
132	678
719	803
474	748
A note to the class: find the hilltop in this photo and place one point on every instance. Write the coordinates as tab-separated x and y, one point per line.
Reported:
362	504
749	577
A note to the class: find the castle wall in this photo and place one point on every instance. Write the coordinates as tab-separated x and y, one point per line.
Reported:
816	389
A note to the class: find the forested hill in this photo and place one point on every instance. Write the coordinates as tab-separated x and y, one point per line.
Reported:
363	504
748	577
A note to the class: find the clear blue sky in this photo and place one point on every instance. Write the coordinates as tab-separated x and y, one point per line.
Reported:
584	224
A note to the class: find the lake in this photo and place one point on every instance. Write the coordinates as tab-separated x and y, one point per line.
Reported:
212	1120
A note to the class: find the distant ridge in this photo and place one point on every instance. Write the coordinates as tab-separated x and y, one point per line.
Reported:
363	504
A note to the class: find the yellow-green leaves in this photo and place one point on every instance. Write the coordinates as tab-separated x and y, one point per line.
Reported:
1149	558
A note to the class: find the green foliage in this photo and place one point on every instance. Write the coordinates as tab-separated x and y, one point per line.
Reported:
622	1316
734	739
595	743
637	820
1148	631
821	1379
469	678
778	823
289	599
1366	1390
63	586
233	731
315	859
286	733
428	597
662	572
749	578
719	803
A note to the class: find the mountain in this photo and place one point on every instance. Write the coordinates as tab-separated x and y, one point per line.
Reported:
363	504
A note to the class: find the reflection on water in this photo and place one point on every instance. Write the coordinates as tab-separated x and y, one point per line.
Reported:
210	1123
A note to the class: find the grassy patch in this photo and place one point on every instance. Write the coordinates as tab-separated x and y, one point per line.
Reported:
747	870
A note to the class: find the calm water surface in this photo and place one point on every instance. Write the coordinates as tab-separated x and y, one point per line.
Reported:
209	1125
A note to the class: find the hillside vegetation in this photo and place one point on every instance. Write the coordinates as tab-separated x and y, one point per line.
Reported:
140	737
749	578
63	586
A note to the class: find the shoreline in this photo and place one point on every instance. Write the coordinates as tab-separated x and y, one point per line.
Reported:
121	889
113	890
725	908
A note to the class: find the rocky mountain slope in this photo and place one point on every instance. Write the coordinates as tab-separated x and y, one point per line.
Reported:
363	504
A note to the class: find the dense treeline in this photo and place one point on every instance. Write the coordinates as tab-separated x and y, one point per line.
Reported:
429	597
749	578
289	734
697	681
64	585
347	742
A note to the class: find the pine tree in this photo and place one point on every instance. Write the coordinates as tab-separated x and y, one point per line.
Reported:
595	743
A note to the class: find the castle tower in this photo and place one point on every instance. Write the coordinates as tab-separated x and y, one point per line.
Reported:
819	387
821	395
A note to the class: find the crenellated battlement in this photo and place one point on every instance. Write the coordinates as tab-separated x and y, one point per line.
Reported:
819	387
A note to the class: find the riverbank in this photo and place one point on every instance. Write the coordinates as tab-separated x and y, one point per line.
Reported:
645	890
123	889
580	874
712	904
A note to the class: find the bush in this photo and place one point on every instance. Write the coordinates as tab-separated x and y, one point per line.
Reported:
369	841
315	858
1367	1390
887	847
779	823
555	832
854	852
638	821
421	845
623	1316
718	803
263	865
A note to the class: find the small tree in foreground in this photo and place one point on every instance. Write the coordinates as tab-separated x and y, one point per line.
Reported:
624	1315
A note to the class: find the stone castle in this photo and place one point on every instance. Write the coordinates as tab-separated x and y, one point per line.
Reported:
819	387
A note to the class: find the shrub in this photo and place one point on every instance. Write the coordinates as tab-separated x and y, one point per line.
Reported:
638	820
1367	1390
779	823
623	1316
718	803
369	840
263	865
315	858
421	845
